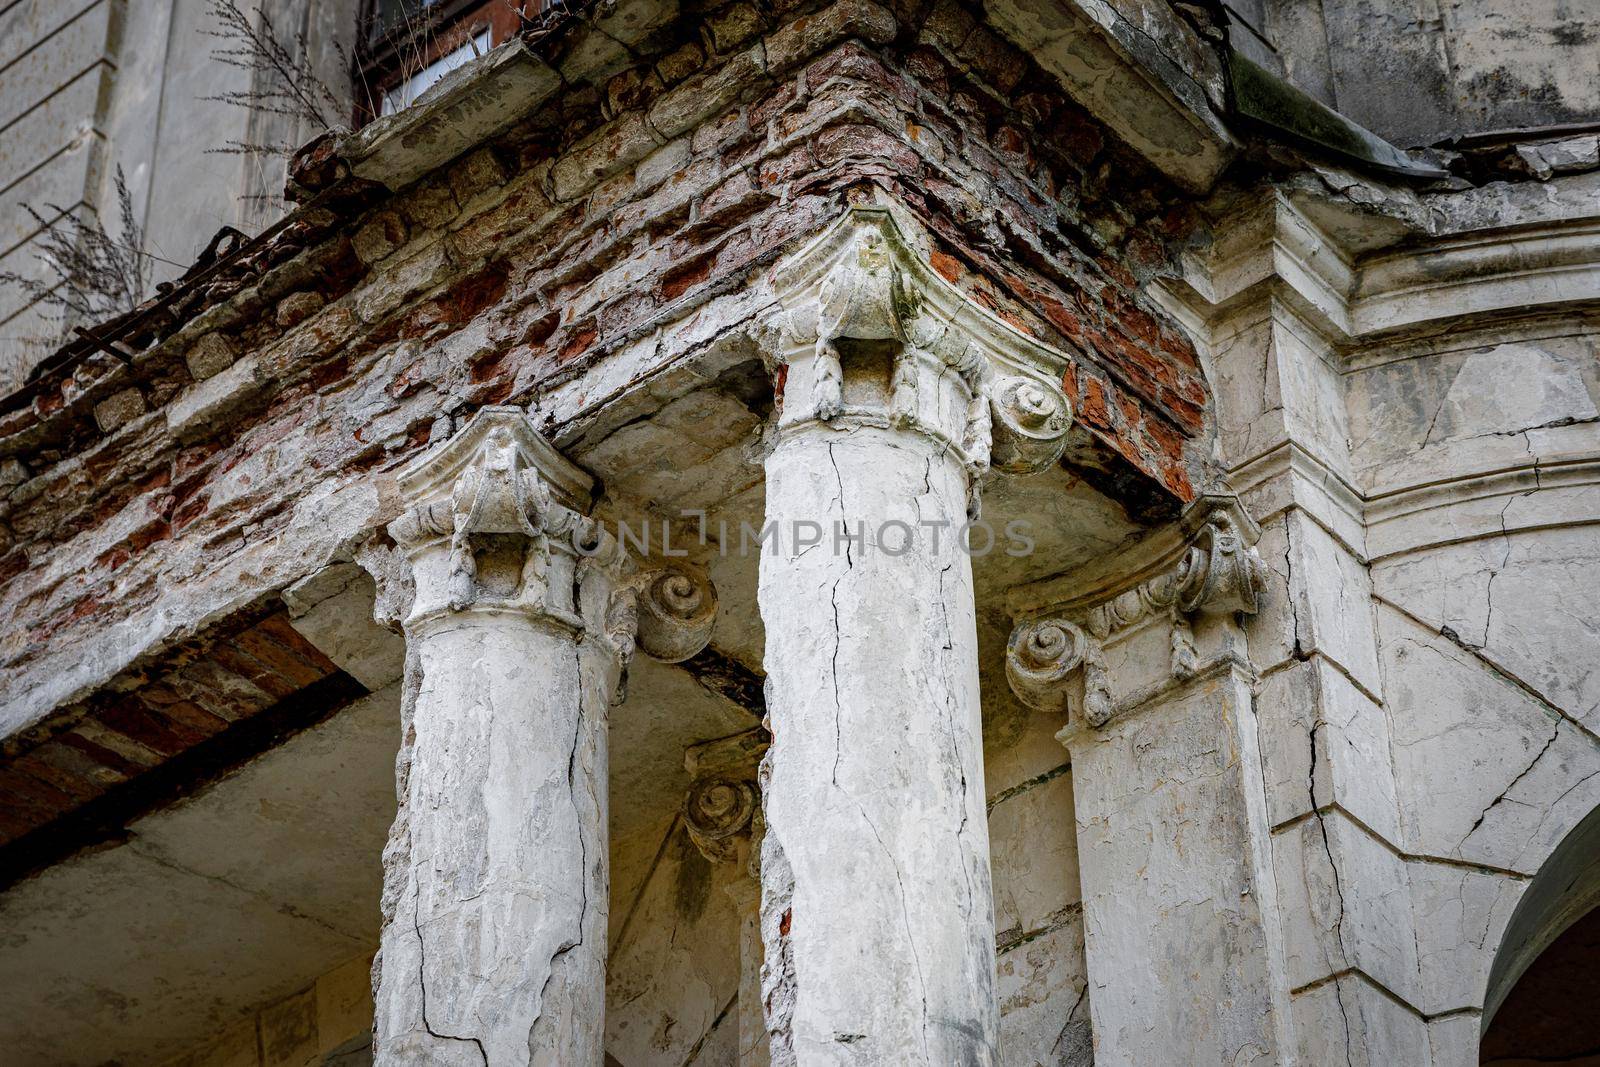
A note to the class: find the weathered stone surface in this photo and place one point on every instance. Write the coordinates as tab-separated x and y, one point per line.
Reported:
1177	863
862	779
210	355
496	884
119	408
1575	154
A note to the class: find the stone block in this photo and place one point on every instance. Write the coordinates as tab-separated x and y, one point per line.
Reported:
618	144
661	164
1560	157
297	307
382	234
802	38
1033	853
430	205
462	110
479	173
1345	902
207	402
1454	1039
1173	900
210	355
1043	991
708	93
400	280
732	26
1346	763
680	63
1515	598
1484	771
1319	600
1351	1022
630	91
1460	914
118	409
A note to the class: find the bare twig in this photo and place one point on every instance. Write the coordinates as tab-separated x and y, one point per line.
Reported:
89	273
284	82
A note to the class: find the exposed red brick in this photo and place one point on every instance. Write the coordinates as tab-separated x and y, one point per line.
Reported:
683	277
1092	408
76	788
135	720
579	341
948	267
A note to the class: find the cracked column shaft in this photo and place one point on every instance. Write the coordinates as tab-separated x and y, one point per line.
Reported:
496	879
877	914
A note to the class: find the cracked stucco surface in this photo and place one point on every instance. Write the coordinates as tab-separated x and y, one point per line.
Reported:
874	781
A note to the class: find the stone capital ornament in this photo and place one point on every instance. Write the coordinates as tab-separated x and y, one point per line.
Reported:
723	804
867	334
1216	573
497	523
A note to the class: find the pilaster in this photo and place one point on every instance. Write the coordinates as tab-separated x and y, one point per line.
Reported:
1276	306
1180	906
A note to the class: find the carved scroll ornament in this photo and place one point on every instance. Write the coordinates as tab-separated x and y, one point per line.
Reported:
723	806
1216	574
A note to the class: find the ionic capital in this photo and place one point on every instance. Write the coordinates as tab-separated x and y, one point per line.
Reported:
497	523
866	332
723	804
1216	573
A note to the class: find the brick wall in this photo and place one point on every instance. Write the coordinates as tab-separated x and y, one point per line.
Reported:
79	777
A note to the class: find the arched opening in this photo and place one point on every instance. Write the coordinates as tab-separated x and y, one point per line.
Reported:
1539	1005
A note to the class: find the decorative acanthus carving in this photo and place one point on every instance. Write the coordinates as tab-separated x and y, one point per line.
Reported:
955	370
723	803
1217	573
498	525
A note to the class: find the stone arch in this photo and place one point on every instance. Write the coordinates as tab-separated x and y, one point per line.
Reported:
1564	890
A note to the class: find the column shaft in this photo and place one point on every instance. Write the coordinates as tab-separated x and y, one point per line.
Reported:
877	913
496	948
496	872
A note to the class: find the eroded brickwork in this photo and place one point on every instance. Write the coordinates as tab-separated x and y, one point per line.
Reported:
614	210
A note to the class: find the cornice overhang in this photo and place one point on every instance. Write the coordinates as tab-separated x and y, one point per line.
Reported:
1165	110
1442	259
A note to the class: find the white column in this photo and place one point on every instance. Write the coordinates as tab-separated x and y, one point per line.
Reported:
877	913
521	620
